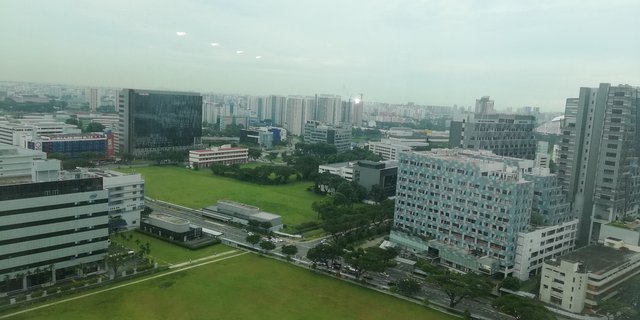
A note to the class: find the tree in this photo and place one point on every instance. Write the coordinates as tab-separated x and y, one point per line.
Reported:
458	287
626	305
289	250
614	309
253	239
255	153
126	157
146	211
344	195
364	261
267	245
408	287
323	253
94	127
116	258
272	156
72	121
376	193
522	308
511	283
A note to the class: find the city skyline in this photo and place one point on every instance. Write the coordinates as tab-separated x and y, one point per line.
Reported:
437	53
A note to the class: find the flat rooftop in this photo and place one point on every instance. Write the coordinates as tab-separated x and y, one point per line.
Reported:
633	225
338	165
266	215
238	204
596	259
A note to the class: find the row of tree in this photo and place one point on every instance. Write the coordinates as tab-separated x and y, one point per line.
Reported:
267	246
85	159
340	219
11	105
459	286
373	259
327	153
90	127
265	174
168	156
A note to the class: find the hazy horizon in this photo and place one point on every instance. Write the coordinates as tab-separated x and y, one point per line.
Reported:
525	53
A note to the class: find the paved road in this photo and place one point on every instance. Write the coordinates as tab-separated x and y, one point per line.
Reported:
229	232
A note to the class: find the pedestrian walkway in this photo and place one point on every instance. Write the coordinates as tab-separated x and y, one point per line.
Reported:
131	283
186	263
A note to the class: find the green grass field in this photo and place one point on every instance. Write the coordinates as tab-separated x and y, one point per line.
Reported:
165	252
244	288
198	189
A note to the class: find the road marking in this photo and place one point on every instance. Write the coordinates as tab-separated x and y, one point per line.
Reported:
119	286
217	224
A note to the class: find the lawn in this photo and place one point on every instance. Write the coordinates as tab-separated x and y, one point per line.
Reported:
164	252
245	288
198	189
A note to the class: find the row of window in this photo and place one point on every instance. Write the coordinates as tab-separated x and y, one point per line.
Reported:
50	248
51	221
52	234
50	262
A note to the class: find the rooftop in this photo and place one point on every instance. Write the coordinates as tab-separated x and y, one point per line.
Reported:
338	165
266	215
238	204
632	225
596	259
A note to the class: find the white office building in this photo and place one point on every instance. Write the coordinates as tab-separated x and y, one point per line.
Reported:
343	169
16	163
541	243
388	150
16	133
577	281
51	230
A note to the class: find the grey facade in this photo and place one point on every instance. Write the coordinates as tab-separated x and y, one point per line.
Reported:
598	162
507	135
152	121
467	205
548	199
50	228
370	173
315	132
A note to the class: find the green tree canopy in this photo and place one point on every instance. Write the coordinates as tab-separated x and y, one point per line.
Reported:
522	308
408	287
72	121
253	239
94	127
289	250
364	261
324	253
459	286
267	245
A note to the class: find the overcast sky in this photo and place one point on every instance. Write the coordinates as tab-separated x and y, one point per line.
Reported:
446	52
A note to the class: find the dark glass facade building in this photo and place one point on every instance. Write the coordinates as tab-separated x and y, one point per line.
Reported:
153	121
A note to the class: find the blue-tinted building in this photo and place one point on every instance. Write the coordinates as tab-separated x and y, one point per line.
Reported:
152	121
465	206
73	145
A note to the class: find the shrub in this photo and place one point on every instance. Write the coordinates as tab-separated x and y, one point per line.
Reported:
144	267
37	294
67	287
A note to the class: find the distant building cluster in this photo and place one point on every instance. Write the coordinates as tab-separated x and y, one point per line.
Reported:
478	192
491	204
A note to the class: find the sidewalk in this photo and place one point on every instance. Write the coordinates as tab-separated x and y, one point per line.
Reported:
190	262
